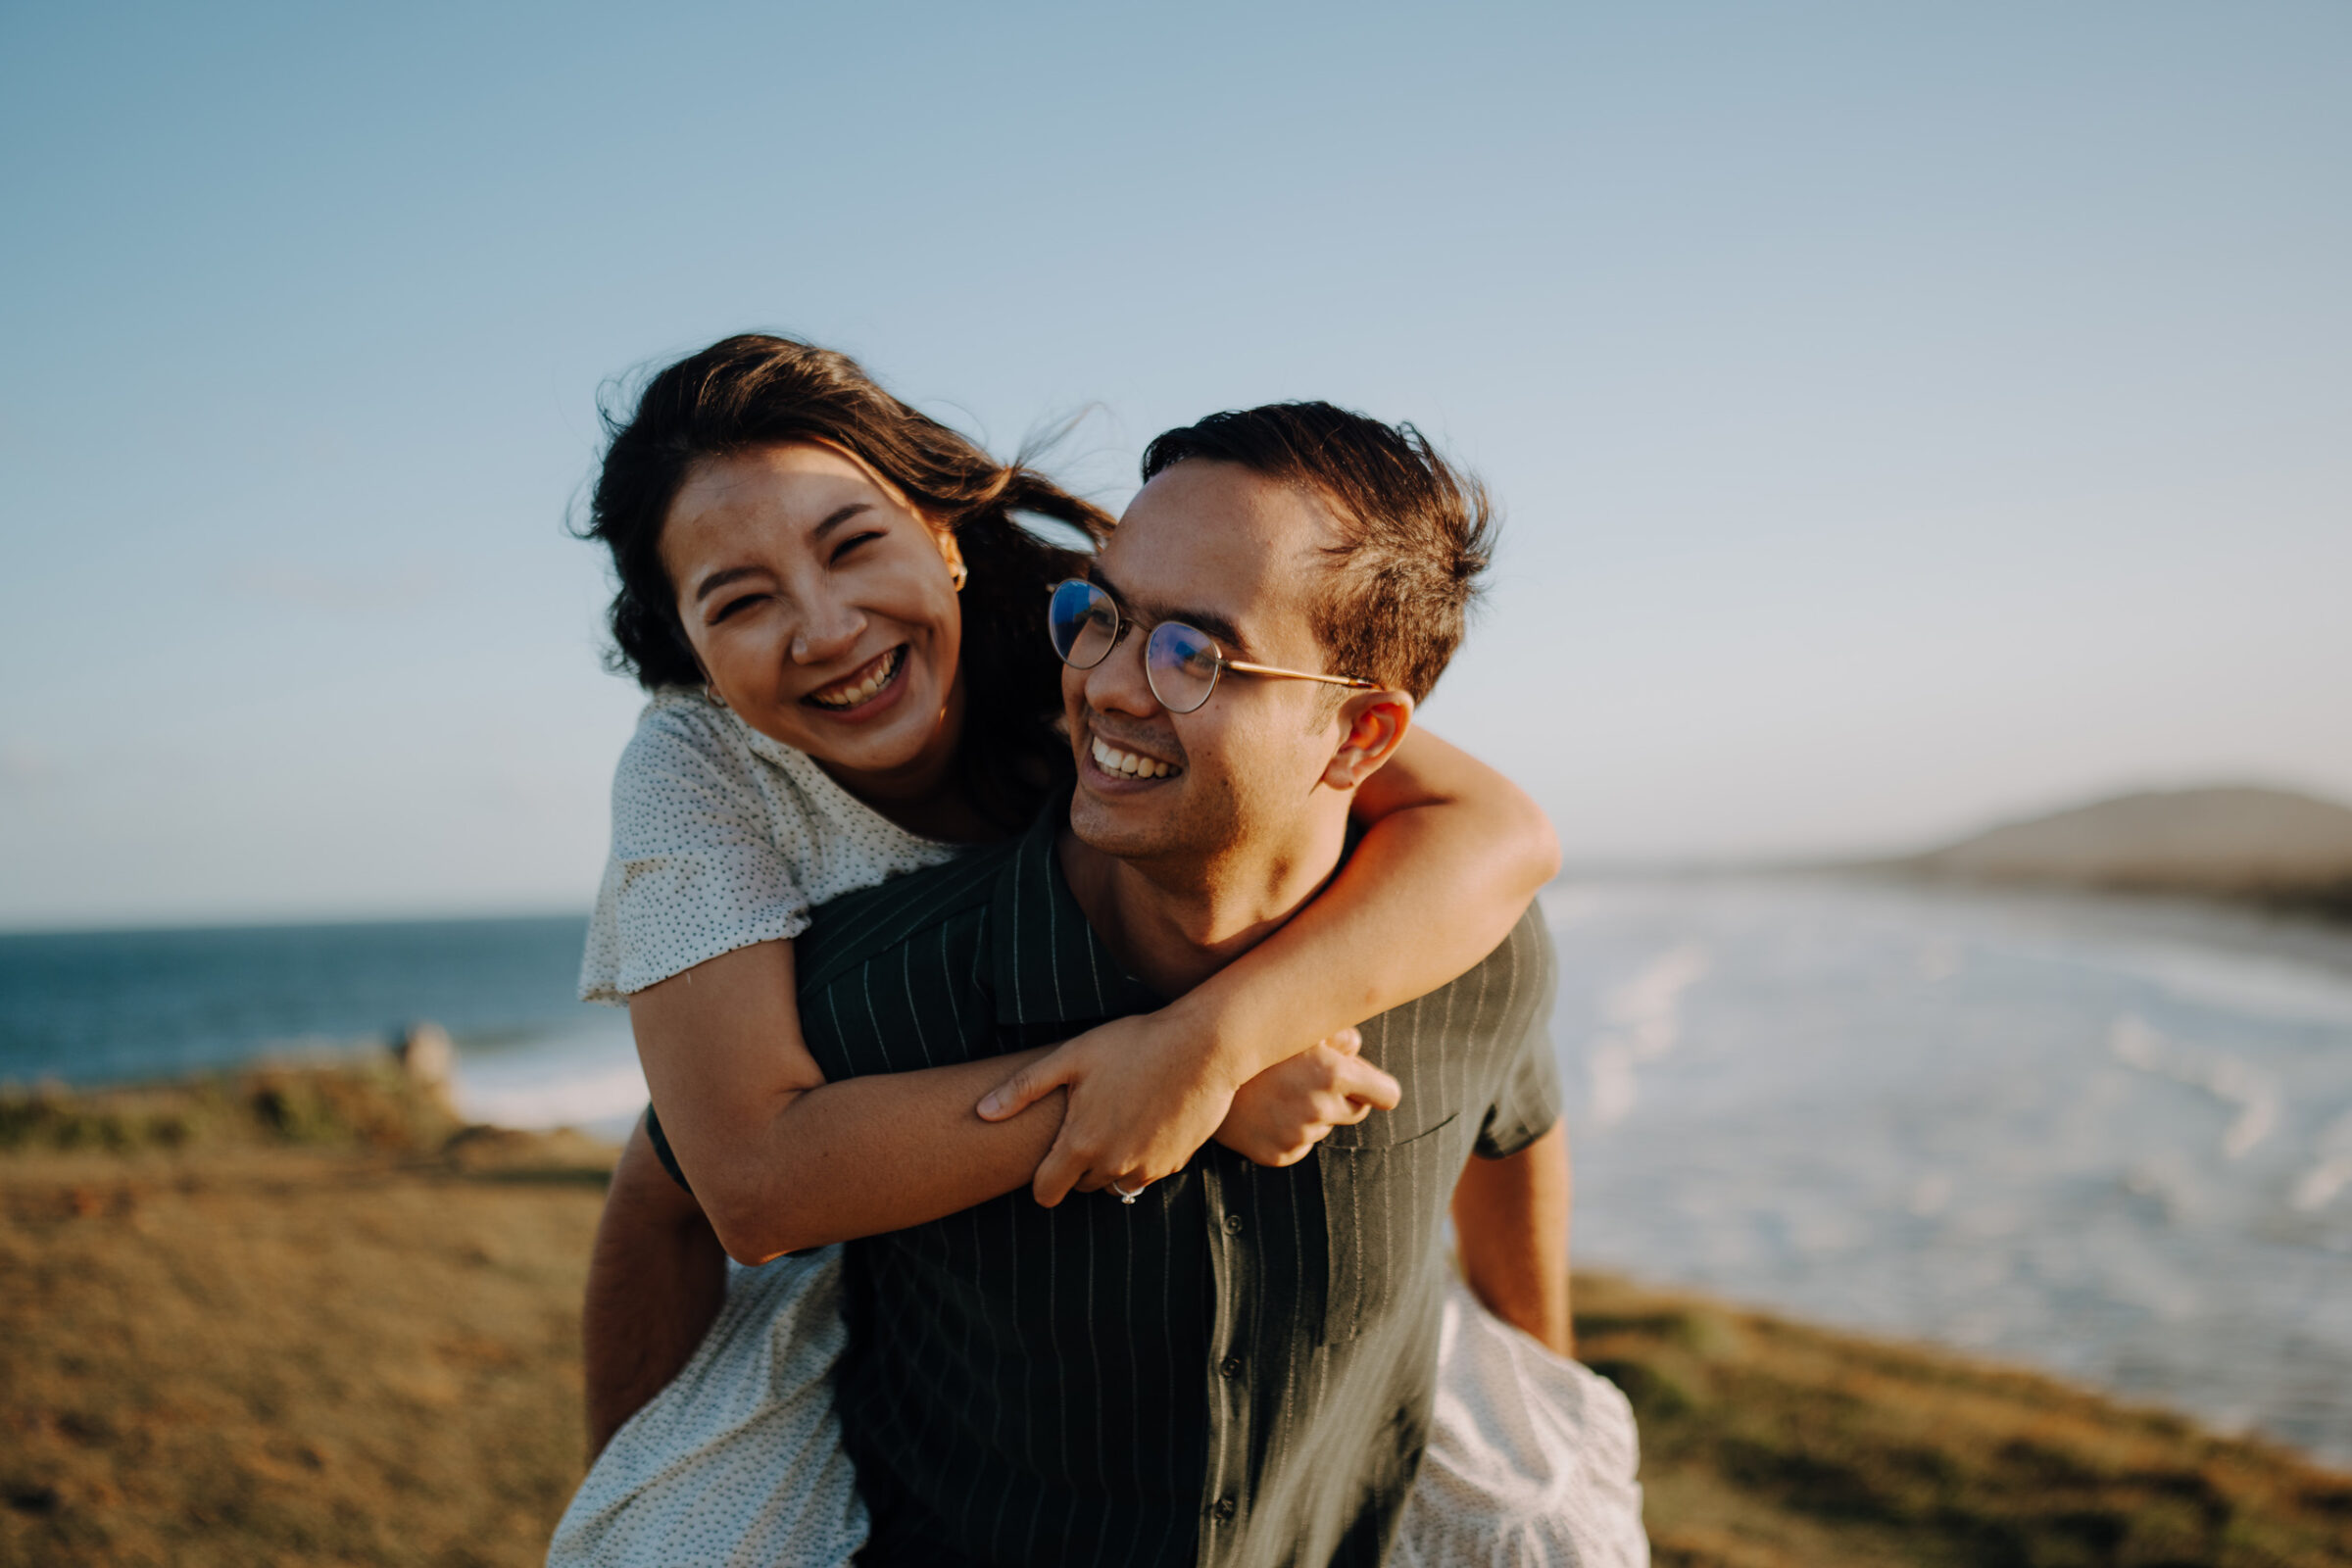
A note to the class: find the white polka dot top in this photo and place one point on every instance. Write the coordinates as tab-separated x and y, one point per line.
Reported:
722	837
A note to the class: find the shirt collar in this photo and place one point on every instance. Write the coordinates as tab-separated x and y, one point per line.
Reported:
1050	965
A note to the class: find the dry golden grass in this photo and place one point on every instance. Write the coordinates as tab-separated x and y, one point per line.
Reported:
303	1318
1773	1444
283	1347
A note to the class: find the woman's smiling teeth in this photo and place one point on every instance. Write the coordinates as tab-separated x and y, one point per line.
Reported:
862	686
1110	759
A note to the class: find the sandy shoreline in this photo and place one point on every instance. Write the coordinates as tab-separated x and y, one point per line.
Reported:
304	1317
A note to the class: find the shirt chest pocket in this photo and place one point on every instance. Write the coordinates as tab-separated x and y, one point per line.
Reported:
1383	1205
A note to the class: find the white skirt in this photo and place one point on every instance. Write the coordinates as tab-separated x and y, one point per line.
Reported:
739	1460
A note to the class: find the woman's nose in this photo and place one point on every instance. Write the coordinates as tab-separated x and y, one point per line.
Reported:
832	628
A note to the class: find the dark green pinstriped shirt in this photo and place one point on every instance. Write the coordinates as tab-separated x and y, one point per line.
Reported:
1238	1368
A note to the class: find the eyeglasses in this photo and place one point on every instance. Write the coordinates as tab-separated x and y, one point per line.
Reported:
1181	663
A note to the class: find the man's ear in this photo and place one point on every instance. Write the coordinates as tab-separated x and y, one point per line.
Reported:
1372	725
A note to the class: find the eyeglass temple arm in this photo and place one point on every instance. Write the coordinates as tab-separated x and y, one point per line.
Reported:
1300	674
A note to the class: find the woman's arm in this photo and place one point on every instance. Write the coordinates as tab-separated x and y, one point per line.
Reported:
1453	854
656	1282
782	1161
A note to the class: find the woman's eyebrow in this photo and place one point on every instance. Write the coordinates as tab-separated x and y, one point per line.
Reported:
837	517
833	520
720	580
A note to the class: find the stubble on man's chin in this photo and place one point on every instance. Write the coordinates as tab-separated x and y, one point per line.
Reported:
1179	836
1108	831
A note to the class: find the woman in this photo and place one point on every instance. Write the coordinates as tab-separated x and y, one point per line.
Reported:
799	557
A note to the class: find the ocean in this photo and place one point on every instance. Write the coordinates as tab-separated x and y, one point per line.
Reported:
2108	1137
94	1007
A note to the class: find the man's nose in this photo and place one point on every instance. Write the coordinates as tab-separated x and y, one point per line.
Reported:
830	629
1117	685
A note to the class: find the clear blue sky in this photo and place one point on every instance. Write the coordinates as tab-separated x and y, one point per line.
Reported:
1906	414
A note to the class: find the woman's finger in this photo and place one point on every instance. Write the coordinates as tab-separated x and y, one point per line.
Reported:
1330	1110
1098	1181
1025	1087
1358	1079
1060	1171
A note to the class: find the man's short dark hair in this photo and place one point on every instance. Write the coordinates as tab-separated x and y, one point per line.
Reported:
1414	532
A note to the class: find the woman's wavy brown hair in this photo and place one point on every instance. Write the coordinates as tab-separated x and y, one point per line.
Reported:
753	391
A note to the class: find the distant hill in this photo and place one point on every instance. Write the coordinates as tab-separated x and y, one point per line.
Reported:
2240	842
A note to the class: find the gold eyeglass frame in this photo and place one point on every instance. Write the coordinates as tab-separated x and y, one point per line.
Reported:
1119	625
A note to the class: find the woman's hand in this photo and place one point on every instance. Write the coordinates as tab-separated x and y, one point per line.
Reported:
783	1162
1144	1095
1279	1116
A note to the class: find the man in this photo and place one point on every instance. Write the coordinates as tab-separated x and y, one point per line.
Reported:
1235	1365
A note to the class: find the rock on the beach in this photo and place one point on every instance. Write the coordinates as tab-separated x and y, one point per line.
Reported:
427	1055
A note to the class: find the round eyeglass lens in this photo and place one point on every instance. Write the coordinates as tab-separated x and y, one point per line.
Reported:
1182	665
1083	624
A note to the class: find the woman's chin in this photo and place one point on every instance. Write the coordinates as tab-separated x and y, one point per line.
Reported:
880	742
877	761
857	748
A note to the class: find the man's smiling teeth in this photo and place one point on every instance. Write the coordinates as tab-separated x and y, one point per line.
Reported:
1110	759
852	696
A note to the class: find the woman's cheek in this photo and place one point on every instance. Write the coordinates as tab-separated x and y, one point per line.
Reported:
740	660
950	643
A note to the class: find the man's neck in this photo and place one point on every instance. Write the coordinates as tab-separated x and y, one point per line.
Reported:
1174	924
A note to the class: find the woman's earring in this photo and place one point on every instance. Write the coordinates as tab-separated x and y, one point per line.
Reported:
956	576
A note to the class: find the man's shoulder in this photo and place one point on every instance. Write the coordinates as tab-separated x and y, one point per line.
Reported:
1507	988
858	928
1470	1045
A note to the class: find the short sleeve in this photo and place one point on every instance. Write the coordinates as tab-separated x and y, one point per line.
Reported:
1527	1098
697	869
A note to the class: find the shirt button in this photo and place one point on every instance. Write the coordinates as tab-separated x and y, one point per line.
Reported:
1224	1510
1233	1224
1231	1366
